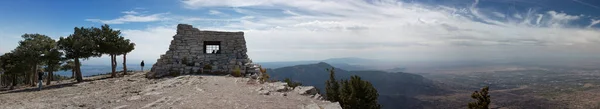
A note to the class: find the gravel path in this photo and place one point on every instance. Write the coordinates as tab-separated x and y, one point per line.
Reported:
135	91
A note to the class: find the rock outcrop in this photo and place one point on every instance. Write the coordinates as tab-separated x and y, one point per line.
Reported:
183	92
199	51
282	89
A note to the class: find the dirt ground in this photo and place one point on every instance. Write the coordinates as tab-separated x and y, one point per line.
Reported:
134	91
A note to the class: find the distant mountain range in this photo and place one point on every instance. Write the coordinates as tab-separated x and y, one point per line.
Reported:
396	90
348	63
89	70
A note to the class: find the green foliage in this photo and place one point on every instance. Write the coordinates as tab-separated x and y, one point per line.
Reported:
291	84
358	94
79	45
22	62
107	39
332	87
33	46
69	65
351	94
13	64
482	97
236	72
53	60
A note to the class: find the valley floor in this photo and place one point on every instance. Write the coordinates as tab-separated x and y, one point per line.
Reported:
135	91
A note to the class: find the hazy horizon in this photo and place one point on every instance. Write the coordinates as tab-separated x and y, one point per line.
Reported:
278	30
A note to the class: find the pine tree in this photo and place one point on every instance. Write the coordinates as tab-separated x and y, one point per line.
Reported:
332	87
125	46
358	94
108	41
482	97
79	45
69	65
53	59
32	48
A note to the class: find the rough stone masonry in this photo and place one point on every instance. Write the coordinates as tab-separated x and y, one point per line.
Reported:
192	50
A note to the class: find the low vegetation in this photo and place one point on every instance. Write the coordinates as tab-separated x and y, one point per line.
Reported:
236	72
354	93
291	83
482	99
264	77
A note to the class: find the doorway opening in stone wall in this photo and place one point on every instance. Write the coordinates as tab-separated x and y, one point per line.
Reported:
212	47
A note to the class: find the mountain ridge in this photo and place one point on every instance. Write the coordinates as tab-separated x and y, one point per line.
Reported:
397	86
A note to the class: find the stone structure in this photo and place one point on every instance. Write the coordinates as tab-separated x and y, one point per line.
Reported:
192	50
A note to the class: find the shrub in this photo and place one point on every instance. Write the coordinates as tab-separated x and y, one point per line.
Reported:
236	72
264	77
291	84
482	97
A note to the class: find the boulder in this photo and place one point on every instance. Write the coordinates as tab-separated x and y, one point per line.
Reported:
281	89
311	106
263	92
334	105
279	86
317	97
306	90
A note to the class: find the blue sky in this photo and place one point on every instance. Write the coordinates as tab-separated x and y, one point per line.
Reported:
288	30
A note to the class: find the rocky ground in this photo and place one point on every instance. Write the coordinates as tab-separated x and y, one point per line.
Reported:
188	91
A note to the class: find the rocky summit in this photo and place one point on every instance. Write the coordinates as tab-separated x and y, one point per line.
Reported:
188	91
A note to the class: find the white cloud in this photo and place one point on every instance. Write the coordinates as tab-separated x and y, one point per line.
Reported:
497	14
516	15
594	22
559	18
390	29
215	12
132	18
130	12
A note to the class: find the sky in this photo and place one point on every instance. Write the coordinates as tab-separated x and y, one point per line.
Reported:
292	30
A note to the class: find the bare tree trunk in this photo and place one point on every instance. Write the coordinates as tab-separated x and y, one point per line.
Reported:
50	77
34	77
113	64
125	64
1	80
78	75
14	82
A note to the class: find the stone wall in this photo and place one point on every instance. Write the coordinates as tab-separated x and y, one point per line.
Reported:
186	53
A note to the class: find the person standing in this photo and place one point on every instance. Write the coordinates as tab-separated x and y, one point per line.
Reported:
40	78
142	64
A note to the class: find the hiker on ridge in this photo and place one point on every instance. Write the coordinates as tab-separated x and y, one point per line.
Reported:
40	78
142	64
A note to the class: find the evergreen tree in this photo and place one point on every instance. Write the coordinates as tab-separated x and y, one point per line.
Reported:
69	65
32	49
125	46
14	66
358	94
53	59
482	97
108	41
79	45
332	87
